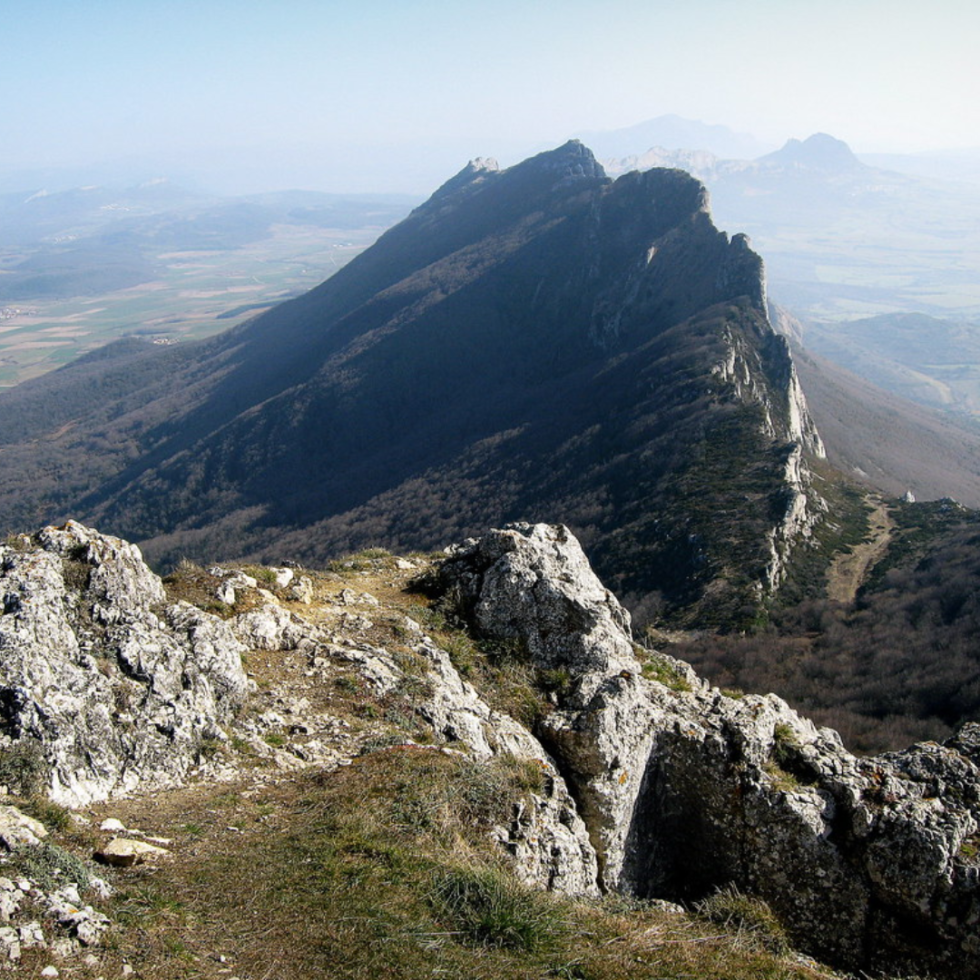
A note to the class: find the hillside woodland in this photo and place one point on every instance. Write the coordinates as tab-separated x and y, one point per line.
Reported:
896	664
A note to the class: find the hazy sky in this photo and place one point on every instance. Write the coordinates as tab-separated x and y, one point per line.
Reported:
385	95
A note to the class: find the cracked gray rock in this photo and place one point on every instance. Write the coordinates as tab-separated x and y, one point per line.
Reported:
114	689
870	863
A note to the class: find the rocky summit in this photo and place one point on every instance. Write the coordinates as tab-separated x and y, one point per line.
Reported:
641	780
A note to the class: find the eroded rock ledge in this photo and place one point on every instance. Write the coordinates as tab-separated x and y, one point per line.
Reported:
657	785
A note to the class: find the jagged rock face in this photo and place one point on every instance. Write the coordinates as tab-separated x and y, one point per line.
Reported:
534	594
870	862
117	688
538	342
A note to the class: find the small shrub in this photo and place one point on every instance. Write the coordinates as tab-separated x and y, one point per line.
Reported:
372	554
76	574
51	866
378	743
209	748
482	792
781	778
461	650
359	562
663	671
52	815
24	770
557	681
261	574
400	715
431	617
185	568
414	688
785	744
507	651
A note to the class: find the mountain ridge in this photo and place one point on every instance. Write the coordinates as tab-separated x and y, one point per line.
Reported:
530	338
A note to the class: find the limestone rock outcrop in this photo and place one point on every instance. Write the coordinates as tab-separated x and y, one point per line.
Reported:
869	861
107	688
655	784
546	838
104	685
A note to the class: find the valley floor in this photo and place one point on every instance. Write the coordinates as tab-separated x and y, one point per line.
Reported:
849	570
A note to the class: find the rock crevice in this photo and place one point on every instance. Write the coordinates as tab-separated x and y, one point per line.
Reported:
868	861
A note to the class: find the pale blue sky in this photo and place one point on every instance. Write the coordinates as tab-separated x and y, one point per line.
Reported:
396	96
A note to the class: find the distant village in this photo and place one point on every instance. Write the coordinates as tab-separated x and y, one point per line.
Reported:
9	312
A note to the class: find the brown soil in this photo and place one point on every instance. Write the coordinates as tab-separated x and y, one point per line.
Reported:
849	572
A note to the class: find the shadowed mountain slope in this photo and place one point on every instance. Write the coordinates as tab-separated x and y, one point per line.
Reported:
538	342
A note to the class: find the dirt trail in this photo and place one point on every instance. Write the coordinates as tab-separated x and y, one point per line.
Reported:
848	572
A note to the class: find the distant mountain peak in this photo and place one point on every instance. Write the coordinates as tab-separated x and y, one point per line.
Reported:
672	132
817	152
568	163
471	176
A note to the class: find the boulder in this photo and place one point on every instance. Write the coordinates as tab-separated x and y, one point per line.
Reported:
104	685
18	829
121	852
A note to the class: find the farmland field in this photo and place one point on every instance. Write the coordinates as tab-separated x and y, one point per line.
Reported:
198	293
81	268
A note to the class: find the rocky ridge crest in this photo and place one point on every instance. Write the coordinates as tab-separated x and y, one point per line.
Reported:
656	784
684	789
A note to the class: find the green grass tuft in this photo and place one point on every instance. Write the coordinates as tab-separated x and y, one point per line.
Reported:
749	916
487	907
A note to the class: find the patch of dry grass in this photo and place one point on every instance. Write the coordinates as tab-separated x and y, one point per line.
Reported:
381	869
